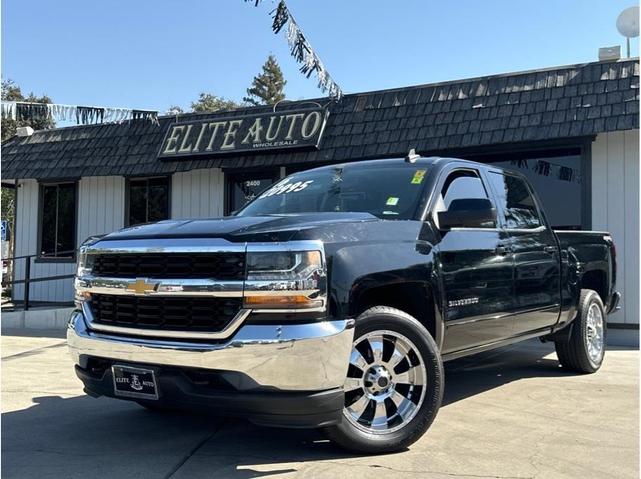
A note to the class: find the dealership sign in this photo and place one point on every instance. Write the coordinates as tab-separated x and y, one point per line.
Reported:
241	134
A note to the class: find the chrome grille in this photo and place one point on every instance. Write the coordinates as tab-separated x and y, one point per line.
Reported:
222	266
207	314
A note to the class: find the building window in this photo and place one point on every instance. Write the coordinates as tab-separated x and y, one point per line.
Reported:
242	188
58	220
148	200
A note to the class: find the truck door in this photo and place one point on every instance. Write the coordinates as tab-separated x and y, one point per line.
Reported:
533	245
474	267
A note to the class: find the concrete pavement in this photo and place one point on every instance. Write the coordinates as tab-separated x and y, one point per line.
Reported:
511	413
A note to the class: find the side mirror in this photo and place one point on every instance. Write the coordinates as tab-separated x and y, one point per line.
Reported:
468	213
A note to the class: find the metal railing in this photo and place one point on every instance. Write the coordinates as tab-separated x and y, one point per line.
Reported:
27	274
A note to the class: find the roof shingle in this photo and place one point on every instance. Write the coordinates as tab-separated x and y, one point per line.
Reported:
577	100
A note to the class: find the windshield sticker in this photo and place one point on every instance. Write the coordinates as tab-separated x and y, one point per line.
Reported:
287	187
392	201
417	179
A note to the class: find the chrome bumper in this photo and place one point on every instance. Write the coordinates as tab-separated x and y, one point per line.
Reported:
300	357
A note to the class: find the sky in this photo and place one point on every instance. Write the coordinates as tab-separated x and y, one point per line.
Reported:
152	54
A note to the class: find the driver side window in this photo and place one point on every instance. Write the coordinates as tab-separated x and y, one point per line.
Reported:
460	184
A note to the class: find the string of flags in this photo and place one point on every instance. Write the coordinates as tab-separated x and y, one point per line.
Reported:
301	49
83	115
547	168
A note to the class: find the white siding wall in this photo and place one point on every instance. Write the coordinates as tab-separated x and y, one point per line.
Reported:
101	206
198	194
615	208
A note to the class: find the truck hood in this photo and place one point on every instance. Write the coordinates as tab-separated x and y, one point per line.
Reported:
239	228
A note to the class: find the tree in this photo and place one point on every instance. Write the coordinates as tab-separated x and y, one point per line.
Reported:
8	202
267	88
11	92
174	110
208	102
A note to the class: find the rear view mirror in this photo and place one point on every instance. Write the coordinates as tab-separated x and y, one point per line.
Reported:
468	213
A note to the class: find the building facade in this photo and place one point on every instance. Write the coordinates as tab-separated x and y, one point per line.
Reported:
573	130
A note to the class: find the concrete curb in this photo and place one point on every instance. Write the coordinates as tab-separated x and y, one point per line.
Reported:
36	319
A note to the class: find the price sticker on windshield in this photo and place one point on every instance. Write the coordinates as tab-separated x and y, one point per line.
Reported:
417	179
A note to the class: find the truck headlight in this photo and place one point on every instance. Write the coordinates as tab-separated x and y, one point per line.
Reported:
287	280
85	263
83	268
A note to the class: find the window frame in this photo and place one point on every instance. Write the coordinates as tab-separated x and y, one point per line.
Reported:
502	216
440	182
40	258
128	181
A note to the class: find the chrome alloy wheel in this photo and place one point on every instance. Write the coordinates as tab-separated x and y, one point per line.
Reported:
594	333
385	383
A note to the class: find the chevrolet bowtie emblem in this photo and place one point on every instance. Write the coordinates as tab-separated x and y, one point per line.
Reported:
141	287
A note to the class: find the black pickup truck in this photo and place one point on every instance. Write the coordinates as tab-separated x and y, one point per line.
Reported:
332	300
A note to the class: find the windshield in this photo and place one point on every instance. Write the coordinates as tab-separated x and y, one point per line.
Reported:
386	191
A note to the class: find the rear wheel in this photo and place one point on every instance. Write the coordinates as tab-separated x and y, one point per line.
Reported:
394	383
584	350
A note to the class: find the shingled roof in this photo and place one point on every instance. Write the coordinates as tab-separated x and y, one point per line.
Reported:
556	103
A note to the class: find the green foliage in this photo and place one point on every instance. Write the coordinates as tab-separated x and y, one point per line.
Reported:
174	110
8	204
208	102
11	92
268	87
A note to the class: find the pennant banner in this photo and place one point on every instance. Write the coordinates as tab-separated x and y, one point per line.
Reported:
83	115
301	49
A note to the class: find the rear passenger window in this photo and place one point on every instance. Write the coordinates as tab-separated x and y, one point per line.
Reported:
513	195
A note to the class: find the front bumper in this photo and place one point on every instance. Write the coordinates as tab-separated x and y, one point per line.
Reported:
289	375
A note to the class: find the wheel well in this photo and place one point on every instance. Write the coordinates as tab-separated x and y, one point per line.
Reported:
413	298
597	281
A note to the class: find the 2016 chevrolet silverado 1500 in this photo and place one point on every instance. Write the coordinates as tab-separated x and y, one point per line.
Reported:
333	298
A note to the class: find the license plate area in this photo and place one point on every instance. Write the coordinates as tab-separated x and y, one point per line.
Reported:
134	382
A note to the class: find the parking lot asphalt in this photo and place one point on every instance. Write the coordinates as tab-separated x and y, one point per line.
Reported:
510	413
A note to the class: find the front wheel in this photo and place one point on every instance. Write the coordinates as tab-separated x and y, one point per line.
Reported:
394	384
583	351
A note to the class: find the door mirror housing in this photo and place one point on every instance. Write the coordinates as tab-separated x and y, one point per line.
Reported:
468	213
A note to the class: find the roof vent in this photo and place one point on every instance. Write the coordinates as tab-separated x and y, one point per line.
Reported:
609	53
412	156
24	131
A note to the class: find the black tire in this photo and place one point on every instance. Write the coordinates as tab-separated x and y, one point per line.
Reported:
383	318
573	352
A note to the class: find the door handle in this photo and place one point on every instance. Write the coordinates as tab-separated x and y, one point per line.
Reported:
502	250
550	249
